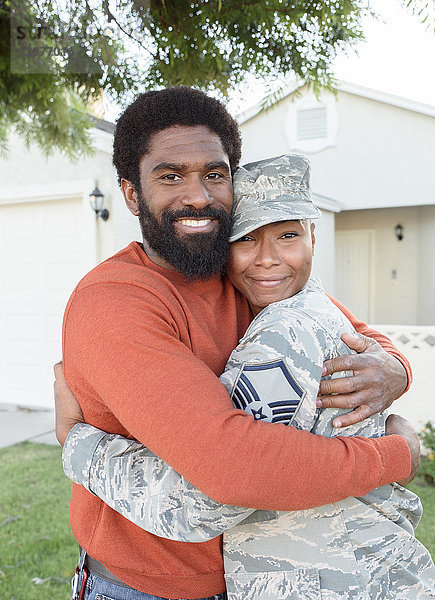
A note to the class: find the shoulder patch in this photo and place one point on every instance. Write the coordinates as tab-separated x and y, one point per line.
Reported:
268	391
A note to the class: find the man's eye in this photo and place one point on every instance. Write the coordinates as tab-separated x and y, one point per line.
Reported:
171	177
289	235
214	175
245	238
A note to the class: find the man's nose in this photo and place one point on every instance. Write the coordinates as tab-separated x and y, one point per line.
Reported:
267	255
196	194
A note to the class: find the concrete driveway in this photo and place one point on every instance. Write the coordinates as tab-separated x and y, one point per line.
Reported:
20	424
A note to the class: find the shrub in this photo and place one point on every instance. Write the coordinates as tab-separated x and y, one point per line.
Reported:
427	436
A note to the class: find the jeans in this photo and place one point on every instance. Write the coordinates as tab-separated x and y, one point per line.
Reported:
100	589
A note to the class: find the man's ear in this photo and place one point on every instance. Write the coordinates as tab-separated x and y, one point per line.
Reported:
313	237
130	196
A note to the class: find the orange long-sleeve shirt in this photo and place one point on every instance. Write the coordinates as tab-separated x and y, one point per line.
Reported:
142	351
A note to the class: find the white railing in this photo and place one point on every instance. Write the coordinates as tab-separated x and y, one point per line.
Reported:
417	342
410	337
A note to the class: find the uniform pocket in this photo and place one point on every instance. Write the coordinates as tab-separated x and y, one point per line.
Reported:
298	584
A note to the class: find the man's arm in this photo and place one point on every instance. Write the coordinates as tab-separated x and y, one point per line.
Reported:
132	480
381	374
363	329
137	363
143	488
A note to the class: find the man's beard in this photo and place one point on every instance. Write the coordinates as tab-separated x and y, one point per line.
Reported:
194	255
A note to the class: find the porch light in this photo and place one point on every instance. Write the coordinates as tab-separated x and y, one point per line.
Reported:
398	230
96	199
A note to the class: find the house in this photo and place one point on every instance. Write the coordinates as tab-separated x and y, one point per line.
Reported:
373	176
49	238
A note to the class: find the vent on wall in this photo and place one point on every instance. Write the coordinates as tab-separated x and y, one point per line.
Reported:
312	123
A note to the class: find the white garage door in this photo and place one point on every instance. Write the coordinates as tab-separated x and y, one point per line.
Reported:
42	257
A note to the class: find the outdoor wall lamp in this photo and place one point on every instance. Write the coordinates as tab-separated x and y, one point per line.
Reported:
398	230
96	199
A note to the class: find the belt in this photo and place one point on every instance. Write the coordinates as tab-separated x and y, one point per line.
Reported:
98	569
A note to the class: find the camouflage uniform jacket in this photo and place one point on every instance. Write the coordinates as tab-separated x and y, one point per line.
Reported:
360	548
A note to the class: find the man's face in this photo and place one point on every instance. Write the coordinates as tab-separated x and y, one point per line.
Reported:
185	200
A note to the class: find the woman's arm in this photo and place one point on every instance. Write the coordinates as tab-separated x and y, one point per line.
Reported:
143	488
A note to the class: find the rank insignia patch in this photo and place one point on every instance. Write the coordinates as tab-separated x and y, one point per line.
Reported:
268	391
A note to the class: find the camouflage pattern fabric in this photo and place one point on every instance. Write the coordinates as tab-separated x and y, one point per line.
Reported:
360	548
143	488
271	190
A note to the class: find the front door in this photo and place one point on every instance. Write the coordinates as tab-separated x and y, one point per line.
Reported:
354	272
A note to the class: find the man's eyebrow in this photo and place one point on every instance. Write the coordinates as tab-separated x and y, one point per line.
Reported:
167	166
219	164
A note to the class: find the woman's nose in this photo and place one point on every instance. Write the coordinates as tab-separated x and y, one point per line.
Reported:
267	254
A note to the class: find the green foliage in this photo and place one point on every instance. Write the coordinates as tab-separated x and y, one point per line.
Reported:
38	552
213	44
427	468
52	65
62	58
65	53
424	10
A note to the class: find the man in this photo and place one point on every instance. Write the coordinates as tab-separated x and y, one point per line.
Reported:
147	332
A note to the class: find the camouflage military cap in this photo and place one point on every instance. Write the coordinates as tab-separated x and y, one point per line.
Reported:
271	190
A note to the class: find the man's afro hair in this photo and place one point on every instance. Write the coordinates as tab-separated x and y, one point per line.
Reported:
155	111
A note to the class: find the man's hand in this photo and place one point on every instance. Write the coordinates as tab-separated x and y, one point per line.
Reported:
68	411
399	425
379	379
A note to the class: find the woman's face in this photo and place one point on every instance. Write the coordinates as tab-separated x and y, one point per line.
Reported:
273	262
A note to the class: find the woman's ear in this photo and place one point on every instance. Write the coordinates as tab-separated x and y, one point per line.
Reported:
313	237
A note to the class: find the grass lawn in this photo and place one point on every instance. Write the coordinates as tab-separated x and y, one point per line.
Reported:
35	536
426	529
38	553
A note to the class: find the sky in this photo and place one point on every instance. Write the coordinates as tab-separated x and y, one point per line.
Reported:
398	56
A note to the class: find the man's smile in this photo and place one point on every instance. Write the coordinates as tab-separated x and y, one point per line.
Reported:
189	225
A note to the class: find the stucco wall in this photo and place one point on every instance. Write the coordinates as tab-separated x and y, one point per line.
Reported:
381	163
404	274
383	155
264	136
126	225
426	258
323	261
27	175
